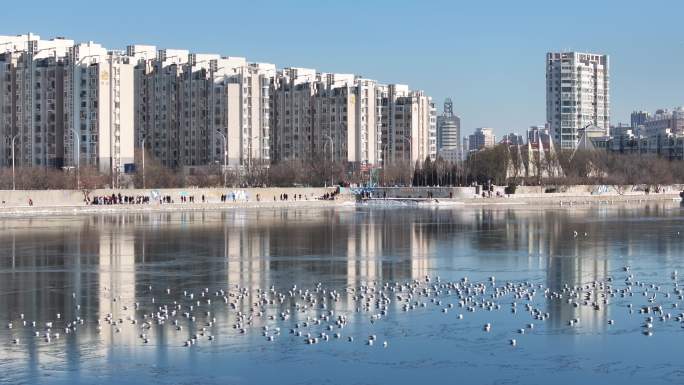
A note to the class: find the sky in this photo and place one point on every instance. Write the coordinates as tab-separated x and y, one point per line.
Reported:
488	56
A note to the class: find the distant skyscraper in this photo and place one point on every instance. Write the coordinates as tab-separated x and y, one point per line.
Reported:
638	118
577	94
664	120
513	139
481	138
448	129
465	148
536	132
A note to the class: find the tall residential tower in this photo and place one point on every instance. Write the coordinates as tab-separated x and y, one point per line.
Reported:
577	94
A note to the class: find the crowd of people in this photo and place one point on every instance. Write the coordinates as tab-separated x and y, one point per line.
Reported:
235	196
330	196
118	199
232	196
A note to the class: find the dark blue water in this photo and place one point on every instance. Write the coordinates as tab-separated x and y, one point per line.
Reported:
85	268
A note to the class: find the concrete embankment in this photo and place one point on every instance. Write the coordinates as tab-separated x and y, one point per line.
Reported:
53	202
69	202
56	198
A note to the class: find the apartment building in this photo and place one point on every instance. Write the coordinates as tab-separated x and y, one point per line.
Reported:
99	112
638	118
75	105
192	105
157	108
357	120
241	111
577	94
31	84
345	119
663	120
537	133
409	124
292	114
513	138
65	104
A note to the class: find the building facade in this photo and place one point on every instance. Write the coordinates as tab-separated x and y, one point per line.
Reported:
73	105
31	100
409	124
638	118
353	119
663	120
577	94
99	113
513	139
448	132
482	138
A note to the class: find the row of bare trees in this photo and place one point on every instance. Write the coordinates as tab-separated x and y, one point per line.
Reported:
40	178
319	172
500	165
503	165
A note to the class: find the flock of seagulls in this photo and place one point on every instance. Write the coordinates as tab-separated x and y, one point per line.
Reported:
312	315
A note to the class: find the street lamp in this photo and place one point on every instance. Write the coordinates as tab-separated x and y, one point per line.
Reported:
14	187
78	158
403	153
249	159
76	135
385	148
332	153
225	155
142	144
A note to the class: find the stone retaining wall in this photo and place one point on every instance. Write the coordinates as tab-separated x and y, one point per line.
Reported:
51	198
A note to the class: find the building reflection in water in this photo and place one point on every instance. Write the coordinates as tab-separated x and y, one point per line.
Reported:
102	262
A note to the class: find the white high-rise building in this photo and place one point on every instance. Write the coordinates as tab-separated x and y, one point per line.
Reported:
318	114
99	112
345	119
187	104
82	105
577	94
241	111
449	133
409	124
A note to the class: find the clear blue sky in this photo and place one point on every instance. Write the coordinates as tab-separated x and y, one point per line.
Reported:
487	55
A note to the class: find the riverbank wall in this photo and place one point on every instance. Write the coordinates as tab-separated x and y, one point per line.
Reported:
56	198
60	202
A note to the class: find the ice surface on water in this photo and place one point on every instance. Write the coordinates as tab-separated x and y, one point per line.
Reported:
108	262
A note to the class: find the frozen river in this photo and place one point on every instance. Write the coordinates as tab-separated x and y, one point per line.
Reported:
273	296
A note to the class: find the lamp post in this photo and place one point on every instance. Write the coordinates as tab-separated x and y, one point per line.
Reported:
14	187
249	159
332	153
225	155
78	159
384	163
143	159
74	131
403	155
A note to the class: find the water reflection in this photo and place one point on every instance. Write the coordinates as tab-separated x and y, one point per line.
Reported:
100	263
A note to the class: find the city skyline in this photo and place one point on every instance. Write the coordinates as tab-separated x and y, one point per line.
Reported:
458	60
